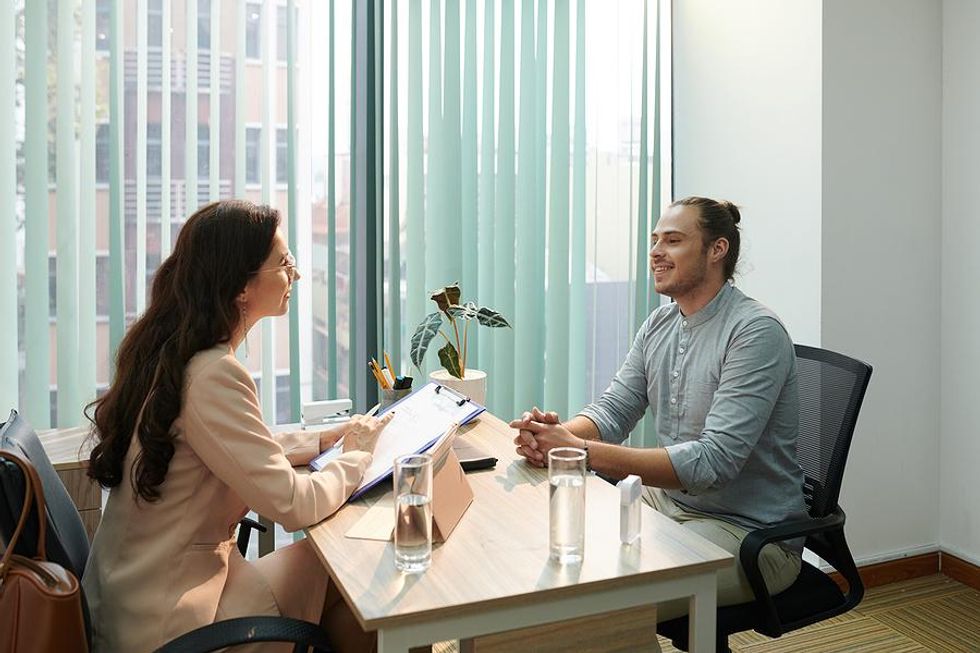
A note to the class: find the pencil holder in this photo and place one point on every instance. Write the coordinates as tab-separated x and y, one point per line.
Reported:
388	397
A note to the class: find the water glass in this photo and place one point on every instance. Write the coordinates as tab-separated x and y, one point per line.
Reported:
566	476
413	512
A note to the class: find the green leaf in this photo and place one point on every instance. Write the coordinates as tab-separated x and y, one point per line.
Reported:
446	297
466	311
449	358
424	333
491	318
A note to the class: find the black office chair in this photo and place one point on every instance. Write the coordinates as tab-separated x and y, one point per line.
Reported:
831	388
67	545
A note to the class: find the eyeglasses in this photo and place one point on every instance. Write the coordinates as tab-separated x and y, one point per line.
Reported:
289	266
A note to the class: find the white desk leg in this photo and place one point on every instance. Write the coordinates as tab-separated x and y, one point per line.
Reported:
702	623
392	641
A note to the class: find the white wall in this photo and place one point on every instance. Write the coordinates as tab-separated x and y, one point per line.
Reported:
882	72
960	381
747	128
823	120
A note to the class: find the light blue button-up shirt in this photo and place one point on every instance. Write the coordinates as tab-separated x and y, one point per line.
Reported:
721	385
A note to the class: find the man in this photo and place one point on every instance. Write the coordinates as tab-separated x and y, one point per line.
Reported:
718	371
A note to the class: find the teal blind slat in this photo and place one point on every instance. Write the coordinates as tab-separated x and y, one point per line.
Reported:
86	204
332	365
487	193
9	365
352	259
557	299
240	96
393	319
117	289
36	327
267	390
293	207
166	199
577	392
501	395
435	241
191	108
214	106
166	83
141	129
470	249
69	399
653	298
450	140
528	355
415	217
642	230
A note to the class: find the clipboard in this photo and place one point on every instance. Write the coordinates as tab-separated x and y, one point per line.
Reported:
421	419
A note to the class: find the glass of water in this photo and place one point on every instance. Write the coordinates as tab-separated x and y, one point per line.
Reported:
413	512
566	474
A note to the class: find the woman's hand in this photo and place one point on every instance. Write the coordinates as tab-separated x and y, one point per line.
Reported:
361	432
329	437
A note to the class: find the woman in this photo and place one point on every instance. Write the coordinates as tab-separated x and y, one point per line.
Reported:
184	449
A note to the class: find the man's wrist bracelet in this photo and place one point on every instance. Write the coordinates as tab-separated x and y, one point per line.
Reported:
588	458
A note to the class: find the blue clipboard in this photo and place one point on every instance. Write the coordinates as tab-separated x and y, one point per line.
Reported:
421	418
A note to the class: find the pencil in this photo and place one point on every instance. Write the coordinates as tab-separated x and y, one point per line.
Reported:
377	376
391	368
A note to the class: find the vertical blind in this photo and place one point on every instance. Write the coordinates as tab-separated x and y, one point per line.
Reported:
530	177
513	162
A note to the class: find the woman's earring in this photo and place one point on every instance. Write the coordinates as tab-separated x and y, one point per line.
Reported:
245	327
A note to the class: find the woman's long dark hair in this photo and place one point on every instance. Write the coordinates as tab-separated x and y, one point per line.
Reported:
192	308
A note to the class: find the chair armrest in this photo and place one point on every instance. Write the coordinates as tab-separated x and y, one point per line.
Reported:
753	544
245	528
246	630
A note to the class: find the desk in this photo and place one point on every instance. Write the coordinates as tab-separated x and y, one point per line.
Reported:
494	575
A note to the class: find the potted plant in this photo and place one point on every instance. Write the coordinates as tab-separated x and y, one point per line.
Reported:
468	382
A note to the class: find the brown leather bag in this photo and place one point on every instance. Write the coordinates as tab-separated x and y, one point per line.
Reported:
40	601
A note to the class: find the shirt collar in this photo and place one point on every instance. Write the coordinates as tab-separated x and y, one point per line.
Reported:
711	308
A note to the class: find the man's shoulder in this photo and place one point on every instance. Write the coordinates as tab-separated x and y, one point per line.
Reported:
659	316
746	312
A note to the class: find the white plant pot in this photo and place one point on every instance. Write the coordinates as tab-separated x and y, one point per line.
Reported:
473	384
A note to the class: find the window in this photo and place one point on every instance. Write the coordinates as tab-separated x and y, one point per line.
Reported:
253	138
282	30
154	151
102	153
203	151
154	24
253	30
204	24
102	25
282	155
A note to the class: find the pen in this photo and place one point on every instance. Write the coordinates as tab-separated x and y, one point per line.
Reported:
377	375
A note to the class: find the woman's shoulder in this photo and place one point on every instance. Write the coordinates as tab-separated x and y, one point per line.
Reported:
209	365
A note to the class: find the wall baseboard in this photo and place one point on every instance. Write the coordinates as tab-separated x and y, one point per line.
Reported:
960	570
926	564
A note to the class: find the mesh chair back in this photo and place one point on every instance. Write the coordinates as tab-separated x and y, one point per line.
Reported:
67	541
831	389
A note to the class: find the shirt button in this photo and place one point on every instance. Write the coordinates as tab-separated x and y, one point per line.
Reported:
684	323
680	350
673	400
675	373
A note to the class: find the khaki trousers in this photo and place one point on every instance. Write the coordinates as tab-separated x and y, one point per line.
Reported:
779	567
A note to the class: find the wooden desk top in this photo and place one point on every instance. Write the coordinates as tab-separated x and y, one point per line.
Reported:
67	448
499	550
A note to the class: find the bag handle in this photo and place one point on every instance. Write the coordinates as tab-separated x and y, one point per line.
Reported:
32	489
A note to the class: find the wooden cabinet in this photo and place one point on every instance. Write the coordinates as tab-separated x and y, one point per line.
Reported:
68	449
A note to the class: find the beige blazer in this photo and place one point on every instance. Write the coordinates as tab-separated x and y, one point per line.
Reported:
157	570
